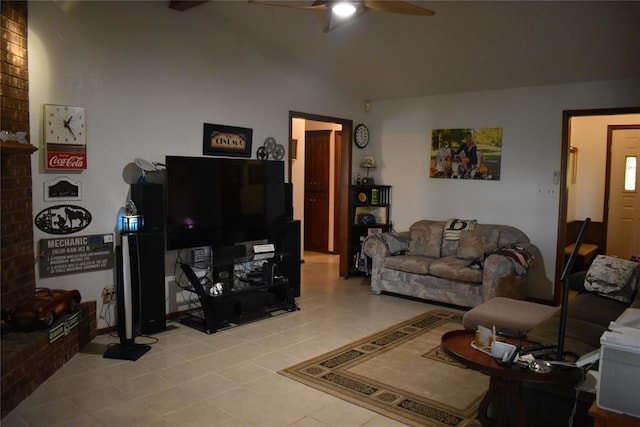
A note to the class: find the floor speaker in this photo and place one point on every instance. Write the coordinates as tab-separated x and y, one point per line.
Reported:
288	242
140	292
147	260
127	301
288	201
149	200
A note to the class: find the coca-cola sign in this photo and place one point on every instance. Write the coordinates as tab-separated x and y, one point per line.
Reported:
58	160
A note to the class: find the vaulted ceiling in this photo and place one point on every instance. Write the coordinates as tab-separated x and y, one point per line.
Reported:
465	46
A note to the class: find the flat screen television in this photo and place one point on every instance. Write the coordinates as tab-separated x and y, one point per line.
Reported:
218	202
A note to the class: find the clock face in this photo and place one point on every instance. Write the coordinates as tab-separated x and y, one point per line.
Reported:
64	124
361	136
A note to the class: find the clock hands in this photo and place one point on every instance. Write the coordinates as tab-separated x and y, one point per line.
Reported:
68	127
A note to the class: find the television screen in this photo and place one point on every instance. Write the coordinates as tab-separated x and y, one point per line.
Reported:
221	201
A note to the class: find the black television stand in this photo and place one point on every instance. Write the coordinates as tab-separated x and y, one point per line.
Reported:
237	302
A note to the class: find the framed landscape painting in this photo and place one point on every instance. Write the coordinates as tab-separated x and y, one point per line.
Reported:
466	153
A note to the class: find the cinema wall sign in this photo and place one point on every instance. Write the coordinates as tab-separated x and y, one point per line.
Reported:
221	140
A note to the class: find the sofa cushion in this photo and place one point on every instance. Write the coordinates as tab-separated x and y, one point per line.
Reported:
426	239
612	277
454	268
475	243
415	264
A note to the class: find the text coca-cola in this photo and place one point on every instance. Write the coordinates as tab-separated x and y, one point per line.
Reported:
61	161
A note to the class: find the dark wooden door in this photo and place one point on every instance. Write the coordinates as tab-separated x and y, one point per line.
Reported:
316	189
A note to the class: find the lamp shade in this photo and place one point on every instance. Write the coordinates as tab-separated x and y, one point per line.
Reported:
368	162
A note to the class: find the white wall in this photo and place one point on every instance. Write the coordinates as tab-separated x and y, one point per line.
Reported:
531	119
589	135
148	81
149	77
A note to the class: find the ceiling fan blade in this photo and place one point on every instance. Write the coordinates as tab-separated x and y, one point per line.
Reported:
183	5
324	16
393	6
321	9
314	6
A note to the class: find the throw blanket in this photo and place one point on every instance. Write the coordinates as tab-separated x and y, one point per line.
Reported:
454	227
395	244
519	256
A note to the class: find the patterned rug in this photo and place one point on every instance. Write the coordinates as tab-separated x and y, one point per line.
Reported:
401	373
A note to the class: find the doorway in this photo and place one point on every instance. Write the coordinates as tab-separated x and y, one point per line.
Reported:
622	216
340	157
317	162
597	230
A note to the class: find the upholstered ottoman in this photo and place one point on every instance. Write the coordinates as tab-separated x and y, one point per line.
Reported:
517	315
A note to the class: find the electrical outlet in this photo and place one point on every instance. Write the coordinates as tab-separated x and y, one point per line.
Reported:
108	294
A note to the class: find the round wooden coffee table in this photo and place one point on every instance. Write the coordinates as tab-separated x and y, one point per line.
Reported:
502	405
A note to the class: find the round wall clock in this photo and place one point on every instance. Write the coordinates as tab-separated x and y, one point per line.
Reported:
64	124
361	136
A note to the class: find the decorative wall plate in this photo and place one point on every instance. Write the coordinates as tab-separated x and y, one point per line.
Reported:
62	219
62	188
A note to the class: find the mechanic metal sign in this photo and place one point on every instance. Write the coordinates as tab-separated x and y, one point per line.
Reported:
78	254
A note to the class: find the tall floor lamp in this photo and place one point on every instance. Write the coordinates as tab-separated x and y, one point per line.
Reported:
562	329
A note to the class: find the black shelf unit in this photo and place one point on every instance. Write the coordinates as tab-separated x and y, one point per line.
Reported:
369	212
239	301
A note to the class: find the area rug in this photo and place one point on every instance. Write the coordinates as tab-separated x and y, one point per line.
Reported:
401	373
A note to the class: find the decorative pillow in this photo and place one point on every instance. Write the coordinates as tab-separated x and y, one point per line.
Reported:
612	277
426	240
475	243
455	226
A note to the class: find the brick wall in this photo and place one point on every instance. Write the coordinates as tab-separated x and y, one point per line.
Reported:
28	359
16	216
15	70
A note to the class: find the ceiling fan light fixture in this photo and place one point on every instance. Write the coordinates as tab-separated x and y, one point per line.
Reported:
343	9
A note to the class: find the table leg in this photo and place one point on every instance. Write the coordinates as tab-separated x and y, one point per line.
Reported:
502	406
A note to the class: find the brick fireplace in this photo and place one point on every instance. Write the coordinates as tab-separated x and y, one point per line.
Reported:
28	359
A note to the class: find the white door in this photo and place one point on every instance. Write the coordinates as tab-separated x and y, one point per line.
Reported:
623	223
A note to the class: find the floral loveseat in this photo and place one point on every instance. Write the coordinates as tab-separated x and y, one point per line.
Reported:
455	262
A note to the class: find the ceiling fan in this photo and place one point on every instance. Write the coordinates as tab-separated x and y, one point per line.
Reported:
327	9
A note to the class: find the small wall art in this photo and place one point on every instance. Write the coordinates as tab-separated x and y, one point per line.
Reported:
62	189
466	153
221	140
63	219
77	254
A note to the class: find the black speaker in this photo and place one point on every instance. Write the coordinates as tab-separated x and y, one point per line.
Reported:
140	292
143	277
149	200
288	201
287	241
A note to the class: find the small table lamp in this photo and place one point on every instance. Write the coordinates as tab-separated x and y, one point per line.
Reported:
131	221
368	162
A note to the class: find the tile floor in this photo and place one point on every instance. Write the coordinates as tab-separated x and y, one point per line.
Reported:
229	378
